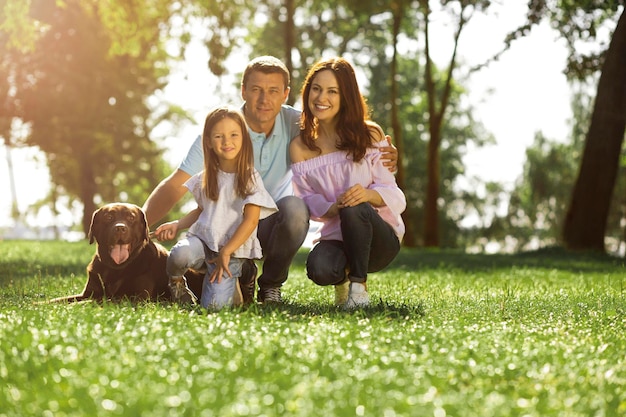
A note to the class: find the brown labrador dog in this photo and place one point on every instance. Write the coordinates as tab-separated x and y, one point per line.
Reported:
127	263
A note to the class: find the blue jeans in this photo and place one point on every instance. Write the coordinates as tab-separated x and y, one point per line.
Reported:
369	245
186	253
217	295
192	253
281	235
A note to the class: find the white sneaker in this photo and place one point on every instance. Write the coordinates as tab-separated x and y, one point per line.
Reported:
341	293
357	296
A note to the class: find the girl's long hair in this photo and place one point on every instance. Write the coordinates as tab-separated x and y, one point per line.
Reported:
245	160
353	129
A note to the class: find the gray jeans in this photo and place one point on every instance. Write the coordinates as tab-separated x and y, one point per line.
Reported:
281	236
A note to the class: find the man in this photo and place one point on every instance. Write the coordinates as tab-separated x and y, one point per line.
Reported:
272	125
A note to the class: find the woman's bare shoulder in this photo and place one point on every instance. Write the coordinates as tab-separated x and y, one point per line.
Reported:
297	150
377	132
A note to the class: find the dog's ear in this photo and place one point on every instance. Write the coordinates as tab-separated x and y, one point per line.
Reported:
144	223
94	226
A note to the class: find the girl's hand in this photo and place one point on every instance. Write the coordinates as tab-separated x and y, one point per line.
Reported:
221	262
166	231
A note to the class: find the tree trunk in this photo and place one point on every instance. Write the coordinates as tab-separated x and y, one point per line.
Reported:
410	239
431	209
585	222
435	123
431	215
289	45
87	194
15	212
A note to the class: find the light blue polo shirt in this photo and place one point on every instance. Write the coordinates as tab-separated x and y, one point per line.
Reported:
271	153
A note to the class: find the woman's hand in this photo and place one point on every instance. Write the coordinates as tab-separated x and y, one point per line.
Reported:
357	194
354	196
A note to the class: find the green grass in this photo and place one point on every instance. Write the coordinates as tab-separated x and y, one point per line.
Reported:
449	334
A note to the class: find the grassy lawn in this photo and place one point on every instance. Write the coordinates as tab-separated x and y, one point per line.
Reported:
449	334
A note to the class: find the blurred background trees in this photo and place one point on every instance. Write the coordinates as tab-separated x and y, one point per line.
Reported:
82	76
83	89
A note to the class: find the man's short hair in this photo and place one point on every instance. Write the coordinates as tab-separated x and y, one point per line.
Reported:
268	65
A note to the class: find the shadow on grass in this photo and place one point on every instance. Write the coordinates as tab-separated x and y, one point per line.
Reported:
12	270
548	258
377	309
32	259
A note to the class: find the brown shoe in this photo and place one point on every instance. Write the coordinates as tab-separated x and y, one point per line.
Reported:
247	281
181	292
237	296
341	293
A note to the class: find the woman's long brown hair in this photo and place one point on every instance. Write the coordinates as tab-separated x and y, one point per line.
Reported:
355	135
245	159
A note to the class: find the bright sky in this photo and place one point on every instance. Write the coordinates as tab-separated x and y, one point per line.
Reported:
522	93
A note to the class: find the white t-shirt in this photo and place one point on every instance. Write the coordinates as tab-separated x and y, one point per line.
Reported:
220	219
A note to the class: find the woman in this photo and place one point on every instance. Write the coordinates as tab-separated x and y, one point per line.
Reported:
337	171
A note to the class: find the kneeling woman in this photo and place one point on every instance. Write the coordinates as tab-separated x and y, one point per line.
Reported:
338	172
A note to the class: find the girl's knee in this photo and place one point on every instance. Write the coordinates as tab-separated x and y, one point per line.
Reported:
180	255
186	254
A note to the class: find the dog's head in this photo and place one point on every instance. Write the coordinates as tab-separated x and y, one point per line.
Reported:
120	230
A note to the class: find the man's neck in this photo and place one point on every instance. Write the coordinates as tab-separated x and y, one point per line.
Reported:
265	128
260	127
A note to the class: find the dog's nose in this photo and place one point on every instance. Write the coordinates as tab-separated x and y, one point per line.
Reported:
120	227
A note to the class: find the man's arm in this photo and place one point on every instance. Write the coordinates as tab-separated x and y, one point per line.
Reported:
165	195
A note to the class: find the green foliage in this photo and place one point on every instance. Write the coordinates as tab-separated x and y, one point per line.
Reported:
538	204
532	334
226	22
584	24
17	30
459	131
344	28
133	24
84	91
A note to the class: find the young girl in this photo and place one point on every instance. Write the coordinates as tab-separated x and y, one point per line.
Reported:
338	172
223	228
